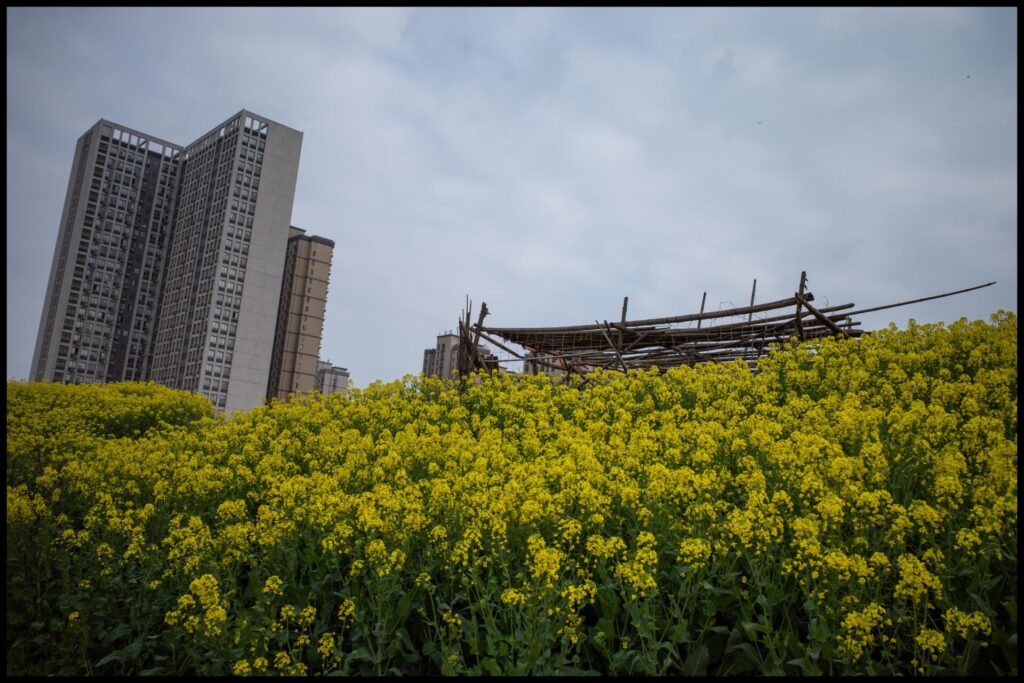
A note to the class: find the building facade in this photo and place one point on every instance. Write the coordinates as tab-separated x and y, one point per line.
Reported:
100	308
442	360
168	259
331	379
429	357
300	321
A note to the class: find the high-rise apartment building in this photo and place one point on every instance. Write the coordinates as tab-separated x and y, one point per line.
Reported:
300	317
101	301
169	258
226	261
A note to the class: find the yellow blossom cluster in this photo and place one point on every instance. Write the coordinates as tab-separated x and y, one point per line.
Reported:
859	630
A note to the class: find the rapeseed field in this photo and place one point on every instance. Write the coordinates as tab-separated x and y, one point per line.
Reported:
849	508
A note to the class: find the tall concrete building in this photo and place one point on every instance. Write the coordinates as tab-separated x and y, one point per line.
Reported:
168	259
300	317
101	301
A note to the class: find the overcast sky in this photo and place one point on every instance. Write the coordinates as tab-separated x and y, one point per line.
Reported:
552	161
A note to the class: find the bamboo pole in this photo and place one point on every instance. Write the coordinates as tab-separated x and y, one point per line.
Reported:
917	301
799	322
750	315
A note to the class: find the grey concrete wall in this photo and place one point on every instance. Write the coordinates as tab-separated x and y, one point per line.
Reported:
257	317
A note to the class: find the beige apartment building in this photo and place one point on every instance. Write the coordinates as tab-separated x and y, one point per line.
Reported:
331	379
443	360
300	318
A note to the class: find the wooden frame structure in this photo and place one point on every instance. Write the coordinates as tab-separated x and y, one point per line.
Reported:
664	342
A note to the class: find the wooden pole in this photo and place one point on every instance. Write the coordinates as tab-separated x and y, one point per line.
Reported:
612	344
702	300
799	323
750	316
625	302
927	298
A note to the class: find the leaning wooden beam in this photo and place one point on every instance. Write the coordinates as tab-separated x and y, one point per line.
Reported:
799	322
817	314
927	298
626	350
612	344
478	362
752	291
498	344
625	302
480	322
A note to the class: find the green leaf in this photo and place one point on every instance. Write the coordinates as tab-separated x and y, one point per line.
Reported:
405	605
112	657
696	663
737	662
680	633
752	629
134	649
117	633
492	666
750	653
155	671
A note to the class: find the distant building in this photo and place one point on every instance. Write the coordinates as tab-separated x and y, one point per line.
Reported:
442	360
331	379
300	317
428	361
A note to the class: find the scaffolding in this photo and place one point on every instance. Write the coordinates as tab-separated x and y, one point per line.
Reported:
695	338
